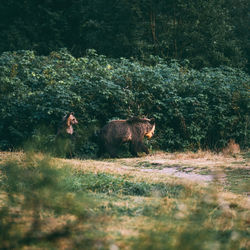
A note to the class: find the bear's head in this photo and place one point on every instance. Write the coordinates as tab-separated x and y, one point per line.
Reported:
150	127
145	125
70	119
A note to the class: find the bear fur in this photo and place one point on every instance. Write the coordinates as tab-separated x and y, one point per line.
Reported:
132	130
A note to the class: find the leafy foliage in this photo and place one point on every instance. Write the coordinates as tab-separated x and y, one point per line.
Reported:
193	109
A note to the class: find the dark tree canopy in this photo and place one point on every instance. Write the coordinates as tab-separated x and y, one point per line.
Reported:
207	33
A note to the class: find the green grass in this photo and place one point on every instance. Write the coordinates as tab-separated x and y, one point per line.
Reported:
153	165
113	185
205	171
238	180
246	155
37	209
71	205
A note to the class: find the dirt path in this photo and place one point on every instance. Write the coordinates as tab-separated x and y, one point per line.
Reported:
187	174
231	172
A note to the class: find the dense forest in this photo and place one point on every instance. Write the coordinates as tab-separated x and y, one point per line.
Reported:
207	33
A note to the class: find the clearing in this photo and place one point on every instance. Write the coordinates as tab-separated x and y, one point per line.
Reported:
161	201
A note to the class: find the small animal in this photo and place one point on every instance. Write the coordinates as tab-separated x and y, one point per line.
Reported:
132	130
64	137
66	125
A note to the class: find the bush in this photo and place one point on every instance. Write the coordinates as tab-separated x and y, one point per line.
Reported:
193	109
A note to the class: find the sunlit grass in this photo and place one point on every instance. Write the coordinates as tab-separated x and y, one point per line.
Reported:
106	204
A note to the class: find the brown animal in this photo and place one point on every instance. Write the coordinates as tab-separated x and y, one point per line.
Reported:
66	126
132	130
64	136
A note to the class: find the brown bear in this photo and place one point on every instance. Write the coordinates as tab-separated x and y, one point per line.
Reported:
132	130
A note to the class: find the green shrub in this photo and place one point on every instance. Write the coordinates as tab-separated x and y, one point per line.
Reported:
193	109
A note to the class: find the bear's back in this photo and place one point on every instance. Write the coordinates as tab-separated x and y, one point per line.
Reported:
117	129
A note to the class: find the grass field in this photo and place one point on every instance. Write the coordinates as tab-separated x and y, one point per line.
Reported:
163	201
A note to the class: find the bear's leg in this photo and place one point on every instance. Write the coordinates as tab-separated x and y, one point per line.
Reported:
101	150
133	148
112	150
142	148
